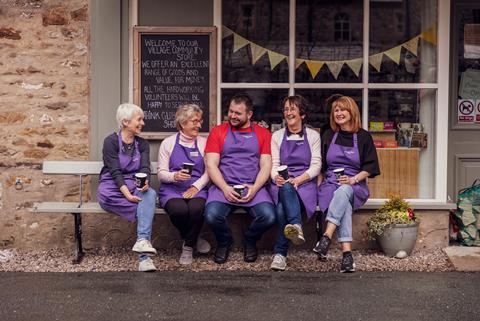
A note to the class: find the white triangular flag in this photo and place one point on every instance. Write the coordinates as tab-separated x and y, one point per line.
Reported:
376	61
226	32
257	52
355	65
298	62
335	67
275	58
239	42
412	45
394	54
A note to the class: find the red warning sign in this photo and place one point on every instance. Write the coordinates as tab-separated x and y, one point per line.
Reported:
466	110
477	111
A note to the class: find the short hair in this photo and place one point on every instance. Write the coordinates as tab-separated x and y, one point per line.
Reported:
242	98
298	101
125	112
185	112
346	103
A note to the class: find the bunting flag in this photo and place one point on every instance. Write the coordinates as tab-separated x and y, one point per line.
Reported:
239	42
412	45
298	62
430	35
257	52
335	67
355	65
314	67
275	58
226	32
394	54
376	61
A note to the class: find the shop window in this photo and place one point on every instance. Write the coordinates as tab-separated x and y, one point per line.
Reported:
329	61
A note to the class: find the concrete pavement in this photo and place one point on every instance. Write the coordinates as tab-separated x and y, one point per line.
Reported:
239	296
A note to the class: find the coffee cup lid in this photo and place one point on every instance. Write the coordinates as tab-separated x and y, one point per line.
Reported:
141	175
185	163
238	186
282	168
339	169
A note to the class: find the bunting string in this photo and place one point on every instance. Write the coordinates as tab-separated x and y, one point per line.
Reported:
314	66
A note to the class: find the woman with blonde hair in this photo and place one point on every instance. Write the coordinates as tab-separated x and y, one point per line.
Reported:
349	157
183	191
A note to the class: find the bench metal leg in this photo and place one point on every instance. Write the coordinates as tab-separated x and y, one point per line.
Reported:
78	239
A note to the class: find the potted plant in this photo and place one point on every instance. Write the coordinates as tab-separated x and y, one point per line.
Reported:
395	226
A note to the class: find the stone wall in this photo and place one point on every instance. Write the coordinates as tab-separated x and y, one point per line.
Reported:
44	112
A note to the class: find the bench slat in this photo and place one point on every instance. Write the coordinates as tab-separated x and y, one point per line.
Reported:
72	207
79	167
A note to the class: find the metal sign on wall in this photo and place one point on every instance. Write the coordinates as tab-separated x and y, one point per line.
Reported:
174	66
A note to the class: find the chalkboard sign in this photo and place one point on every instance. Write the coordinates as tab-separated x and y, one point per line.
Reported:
174	66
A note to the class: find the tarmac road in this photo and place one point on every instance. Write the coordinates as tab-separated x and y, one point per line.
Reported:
236	296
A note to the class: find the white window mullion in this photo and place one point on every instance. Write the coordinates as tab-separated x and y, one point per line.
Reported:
133	21
366	46
441	137
217	22
291	48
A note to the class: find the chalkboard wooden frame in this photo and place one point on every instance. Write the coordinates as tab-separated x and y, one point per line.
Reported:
212	101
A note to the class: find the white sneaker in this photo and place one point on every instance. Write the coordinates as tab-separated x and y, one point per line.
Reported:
279	263
144	246
294	233
186	258
146	266
203	246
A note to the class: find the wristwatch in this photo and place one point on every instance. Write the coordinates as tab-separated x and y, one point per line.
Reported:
356	179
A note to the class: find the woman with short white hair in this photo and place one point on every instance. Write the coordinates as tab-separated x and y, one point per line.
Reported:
124	155
181	171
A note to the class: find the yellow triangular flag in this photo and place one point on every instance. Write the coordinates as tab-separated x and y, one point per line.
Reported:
257	52
376	61
226	32
355	65
275	58
298	62
430	35
412	45
335	67
239	42
314	67
394	54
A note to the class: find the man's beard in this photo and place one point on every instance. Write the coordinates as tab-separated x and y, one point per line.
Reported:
240	123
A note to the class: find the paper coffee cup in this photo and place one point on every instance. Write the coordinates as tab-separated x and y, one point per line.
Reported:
239	189
140	179
283	171
188	167
339	172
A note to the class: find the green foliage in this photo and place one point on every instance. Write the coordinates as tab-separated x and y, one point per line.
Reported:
395	211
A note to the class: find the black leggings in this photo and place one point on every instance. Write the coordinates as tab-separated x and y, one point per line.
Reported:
187	216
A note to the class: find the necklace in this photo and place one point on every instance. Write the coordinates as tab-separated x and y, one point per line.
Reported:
128	146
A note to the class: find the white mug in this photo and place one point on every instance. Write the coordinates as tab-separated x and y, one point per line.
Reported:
404	125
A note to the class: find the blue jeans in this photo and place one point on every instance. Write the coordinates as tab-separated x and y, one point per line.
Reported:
216	217
145	214
340	212
289	211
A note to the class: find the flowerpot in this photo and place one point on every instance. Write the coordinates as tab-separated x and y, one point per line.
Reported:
398	237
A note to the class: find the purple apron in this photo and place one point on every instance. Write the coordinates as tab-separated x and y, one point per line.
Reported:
180	155
239	164
109	196
348	158
296	154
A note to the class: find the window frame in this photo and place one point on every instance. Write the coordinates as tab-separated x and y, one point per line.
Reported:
441	87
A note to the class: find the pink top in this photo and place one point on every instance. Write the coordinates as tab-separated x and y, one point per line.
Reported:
166	148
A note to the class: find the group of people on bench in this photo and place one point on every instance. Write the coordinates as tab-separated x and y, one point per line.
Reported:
240	152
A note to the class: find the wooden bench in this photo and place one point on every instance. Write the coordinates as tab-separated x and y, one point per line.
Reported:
82	169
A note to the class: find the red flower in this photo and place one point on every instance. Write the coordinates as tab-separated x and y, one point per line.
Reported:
411	215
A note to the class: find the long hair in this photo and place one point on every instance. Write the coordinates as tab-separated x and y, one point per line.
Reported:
348	104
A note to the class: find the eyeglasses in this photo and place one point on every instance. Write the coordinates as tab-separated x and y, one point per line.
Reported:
196	121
